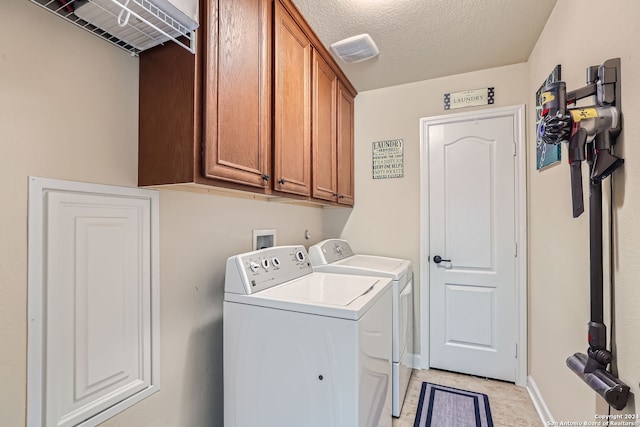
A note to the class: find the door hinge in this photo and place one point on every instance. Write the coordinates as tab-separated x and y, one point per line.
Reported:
515	249
515	147
516	350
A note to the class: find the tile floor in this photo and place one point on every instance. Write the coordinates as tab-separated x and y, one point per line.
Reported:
510	405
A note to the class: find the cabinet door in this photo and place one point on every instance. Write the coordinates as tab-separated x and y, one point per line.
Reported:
324	137
345	146
292	112
237	91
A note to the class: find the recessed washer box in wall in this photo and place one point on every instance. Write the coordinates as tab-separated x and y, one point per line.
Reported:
264	238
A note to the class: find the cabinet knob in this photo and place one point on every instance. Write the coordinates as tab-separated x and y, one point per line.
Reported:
335	194
265	177
281	181
341	196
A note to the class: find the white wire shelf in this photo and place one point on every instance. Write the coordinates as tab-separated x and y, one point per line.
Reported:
132	25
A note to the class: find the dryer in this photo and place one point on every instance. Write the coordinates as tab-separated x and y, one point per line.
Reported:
336	256
304	348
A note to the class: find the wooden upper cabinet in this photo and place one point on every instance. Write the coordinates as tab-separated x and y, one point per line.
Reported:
345	146
324	136
237	91
206	118
261	107
292	109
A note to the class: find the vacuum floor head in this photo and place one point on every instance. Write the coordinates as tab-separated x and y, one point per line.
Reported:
614	391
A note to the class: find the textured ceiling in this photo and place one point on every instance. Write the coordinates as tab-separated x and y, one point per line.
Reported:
425	39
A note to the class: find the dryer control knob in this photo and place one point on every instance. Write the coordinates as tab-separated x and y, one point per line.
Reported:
300	256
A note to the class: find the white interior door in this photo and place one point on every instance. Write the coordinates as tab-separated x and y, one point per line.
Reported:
473	324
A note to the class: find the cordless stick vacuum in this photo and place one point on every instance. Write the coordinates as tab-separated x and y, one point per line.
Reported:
591	133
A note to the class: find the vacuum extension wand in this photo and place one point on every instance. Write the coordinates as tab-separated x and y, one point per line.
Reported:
591	133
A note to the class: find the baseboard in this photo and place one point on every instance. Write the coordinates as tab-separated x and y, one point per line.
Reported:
416	362
538	402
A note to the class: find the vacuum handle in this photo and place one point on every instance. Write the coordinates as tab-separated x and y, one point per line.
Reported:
577	155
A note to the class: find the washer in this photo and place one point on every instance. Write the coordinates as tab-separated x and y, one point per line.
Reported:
304	348
336	256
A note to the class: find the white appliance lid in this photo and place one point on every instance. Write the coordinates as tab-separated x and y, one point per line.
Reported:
322	289
334	295
368	265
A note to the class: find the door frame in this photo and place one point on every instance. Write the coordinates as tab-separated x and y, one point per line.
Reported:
517	113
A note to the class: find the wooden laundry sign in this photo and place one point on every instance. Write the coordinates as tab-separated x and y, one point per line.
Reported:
469	98
387	159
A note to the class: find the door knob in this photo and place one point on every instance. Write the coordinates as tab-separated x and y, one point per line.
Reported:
438	259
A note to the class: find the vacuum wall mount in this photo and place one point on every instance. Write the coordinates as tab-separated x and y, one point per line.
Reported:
591	134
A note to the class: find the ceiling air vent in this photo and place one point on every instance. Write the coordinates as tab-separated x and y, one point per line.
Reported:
356	48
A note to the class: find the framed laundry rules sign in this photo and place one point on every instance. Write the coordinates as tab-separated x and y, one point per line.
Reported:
469	98
387	159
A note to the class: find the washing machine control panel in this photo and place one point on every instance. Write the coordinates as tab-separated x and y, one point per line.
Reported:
272	266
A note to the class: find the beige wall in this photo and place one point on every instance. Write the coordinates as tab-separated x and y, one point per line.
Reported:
68	110
559	263
386	218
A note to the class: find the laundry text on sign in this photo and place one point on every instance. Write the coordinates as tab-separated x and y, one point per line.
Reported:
388	159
